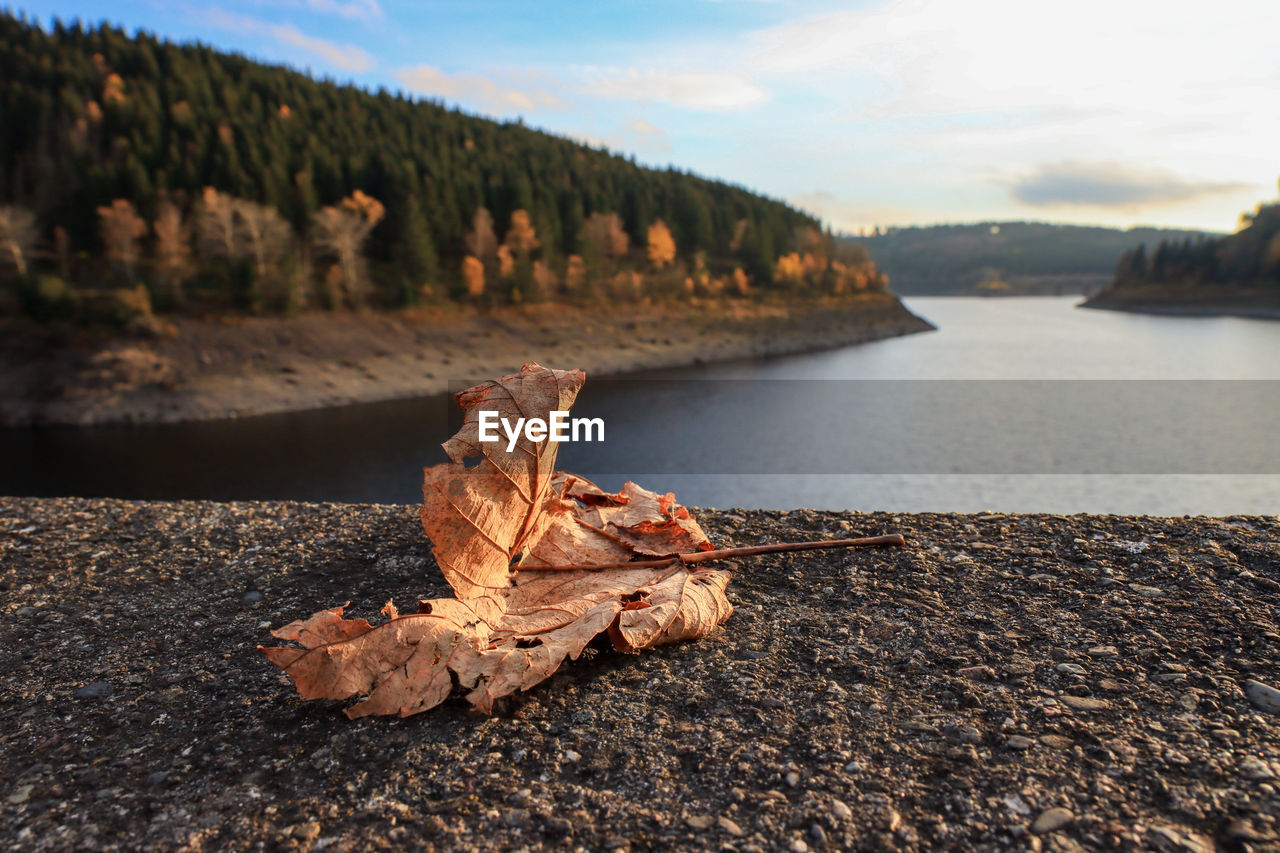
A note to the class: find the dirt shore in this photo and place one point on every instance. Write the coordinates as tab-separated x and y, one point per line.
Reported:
219	369
1189	302
1007	682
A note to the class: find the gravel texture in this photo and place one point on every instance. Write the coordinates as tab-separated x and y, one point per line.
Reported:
1005	682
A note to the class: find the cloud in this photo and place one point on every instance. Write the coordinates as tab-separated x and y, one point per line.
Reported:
1109	185
913	57
518	92
645	134
346	57
848	216
702	90
357	9
367	10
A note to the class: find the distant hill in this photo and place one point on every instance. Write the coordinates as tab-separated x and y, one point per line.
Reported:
221	183
1231	274
1005	257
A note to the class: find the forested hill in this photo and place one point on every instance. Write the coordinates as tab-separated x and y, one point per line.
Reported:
1247	259
1005	257
193	171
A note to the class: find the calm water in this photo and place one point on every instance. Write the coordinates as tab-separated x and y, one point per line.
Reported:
1100	417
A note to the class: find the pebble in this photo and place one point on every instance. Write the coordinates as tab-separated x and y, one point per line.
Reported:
1104	652
558	827
1084	703
1169	839
1146	591
1051	820
817	833
20	794
729	826
1019	742
1056	741
792	779
977	673
962	734
97	690
1255	769
853	767
798	846
889	819
27	610
157	778
252	597
840	810
571	756
700	821
1263	696
1070	669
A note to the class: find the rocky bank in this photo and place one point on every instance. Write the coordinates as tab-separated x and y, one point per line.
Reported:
232	367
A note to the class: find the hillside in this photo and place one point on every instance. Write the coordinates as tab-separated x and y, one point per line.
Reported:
1235	274
219	184
1004	257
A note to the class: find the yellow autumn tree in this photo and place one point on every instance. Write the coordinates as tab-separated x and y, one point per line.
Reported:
521	235
473	275
506	263
789	269
662	246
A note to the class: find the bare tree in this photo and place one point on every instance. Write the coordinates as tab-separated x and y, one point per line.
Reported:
18	235
482	243
606	238
216	224
262	234
173	248
342	230
122	229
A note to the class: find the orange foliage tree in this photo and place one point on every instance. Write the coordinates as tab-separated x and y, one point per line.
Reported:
662	246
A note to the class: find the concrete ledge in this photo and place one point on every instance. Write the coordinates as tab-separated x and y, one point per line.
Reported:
960	693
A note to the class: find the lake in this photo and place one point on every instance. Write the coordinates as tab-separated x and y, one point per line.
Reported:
1014	404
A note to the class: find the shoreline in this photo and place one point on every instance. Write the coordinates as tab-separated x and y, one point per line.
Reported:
1181	304
1244	312
241	367
1004	679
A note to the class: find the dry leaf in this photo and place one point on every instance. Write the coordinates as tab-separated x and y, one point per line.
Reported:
508	631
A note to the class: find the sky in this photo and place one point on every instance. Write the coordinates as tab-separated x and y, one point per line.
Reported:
884	112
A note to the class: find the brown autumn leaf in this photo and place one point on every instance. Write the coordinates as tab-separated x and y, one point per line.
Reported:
507	631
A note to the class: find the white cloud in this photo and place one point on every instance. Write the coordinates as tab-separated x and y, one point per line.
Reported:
357	9
702	90
346	57
643	133
1110	185
512	92
939	56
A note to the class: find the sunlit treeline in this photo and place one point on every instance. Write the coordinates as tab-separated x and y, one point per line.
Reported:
204	181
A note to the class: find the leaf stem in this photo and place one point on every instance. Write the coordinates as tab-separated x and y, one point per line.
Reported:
891	540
